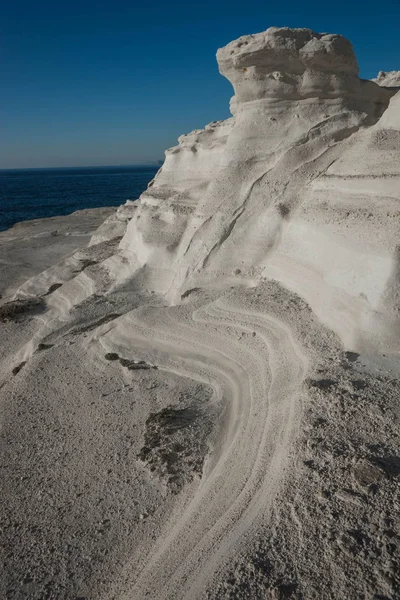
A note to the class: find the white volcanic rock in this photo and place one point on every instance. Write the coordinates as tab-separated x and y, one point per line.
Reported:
238	194
115	225
289	63
166	211
177	402
300	185
340	250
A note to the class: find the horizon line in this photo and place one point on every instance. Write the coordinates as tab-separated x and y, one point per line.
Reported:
144	164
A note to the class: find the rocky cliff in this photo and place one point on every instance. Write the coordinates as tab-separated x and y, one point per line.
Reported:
301	185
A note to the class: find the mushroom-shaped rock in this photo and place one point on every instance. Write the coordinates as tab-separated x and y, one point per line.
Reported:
283	63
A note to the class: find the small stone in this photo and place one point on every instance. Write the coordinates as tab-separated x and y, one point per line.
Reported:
366	474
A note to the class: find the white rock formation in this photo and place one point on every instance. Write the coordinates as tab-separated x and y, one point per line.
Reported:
300	185
182	391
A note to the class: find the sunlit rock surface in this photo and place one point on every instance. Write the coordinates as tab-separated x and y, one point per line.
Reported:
203	403
268	191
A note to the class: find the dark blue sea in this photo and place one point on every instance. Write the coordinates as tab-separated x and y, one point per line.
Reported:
38	193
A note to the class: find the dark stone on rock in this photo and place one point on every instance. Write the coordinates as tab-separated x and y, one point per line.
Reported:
352	356
389	464
111	356
18	367
12	310
53	288
322	384
45	346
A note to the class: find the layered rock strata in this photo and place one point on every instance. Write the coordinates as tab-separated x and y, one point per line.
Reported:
257	193
203	403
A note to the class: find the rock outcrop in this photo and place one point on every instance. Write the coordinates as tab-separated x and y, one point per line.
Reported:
300	185
203	403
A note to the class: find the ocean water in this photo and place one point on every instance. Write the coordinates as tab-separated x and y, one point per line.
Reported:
38	193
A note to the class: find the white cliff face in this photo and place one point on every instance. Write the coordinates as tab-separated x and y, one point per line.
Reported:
166	210
266	193
301	186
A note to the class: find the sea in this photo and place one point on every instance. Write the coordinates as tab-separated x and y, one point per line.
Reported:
37	193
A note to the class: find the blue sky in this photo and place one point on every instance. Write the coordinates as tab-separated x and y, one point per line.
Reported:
101	83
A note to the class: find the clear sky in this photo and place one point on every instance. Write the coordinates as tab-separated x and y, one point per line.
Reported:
103	83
